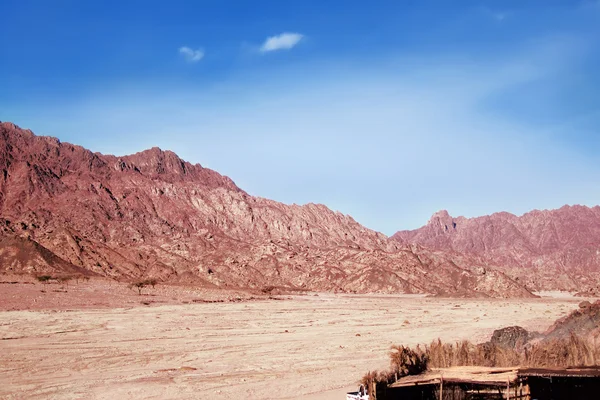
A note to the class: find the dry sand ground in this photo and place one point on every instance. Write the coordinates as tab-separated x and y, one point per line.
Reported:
303	347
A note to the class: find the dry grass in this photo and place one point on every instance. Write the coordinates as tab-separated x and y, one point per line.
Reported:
465	353
566	352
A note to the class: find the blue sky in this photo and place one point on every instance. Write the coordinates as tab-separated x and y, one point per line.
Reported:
387	111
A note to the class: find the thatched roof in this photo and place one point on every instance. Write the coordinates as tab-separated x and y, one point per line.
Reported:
490	376
578	372
475	375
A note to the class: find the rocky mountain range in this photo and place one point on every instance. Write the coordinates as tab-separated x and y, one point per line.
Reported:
67	210
543	250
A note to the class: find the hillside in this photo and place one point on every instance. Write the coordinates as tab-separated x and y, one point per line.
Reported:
152	214
544	250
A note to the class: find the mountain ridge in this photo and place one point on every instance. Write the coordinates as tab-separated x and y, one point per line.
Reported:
564	242
152	214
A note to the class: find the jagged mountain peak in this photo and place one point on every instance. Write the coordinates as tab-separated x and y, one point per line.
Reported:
546	249
152	214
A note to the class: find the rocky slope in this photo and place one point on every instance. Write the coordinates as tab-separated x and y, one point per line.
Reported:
152	214
543	250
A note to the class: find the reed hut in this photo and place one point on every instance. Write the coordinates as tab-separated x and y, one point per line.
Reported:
475	383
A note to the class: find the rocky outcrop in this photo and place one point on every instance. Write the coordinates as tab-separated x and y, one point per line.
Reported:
22	255
511	337
543	250
584	322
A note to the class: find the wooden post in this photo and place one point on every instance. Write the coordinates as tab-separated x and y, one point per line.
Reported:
374	389
507	388
594	352
441	388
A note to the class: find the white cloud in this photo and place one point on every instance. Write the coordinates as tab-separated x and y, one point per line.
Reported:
190	54
284	41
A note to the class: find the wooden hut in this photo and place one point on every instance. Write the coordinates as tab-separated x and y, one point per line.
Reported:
474	383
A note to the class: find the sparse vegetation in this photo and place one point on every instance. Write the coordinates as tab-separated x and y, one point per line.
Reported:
80	277
65	279
139	286
268	289
44	278
406	361
151	282
142	284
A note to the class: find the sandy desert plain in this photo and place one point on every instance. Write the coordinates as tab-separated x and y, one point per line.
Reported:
101	340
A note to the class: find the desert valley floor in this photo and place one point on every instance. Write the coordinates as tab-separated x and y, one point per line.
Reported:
180	345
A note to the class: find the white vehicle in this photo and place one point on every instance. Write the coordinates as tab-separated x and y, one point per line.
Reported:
360	395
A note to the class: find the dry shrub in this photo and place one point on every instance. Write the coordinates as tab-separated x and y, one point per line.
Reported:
445	355
376	382
138	285
150	282
45	278
565	352
377	377
573	351
142	284
268	289
403	361
65	279
406	361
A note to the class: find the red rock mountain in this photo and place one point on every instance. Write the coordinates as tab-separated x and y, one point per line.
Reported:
65	209
544	250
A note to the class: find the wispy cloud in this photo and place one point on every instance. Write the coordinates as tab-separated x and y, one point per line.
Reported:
190	54
284	41
499	16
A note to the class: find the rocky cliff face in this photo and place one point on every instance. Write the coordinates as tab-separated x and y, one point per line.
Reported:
543	250
152	214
